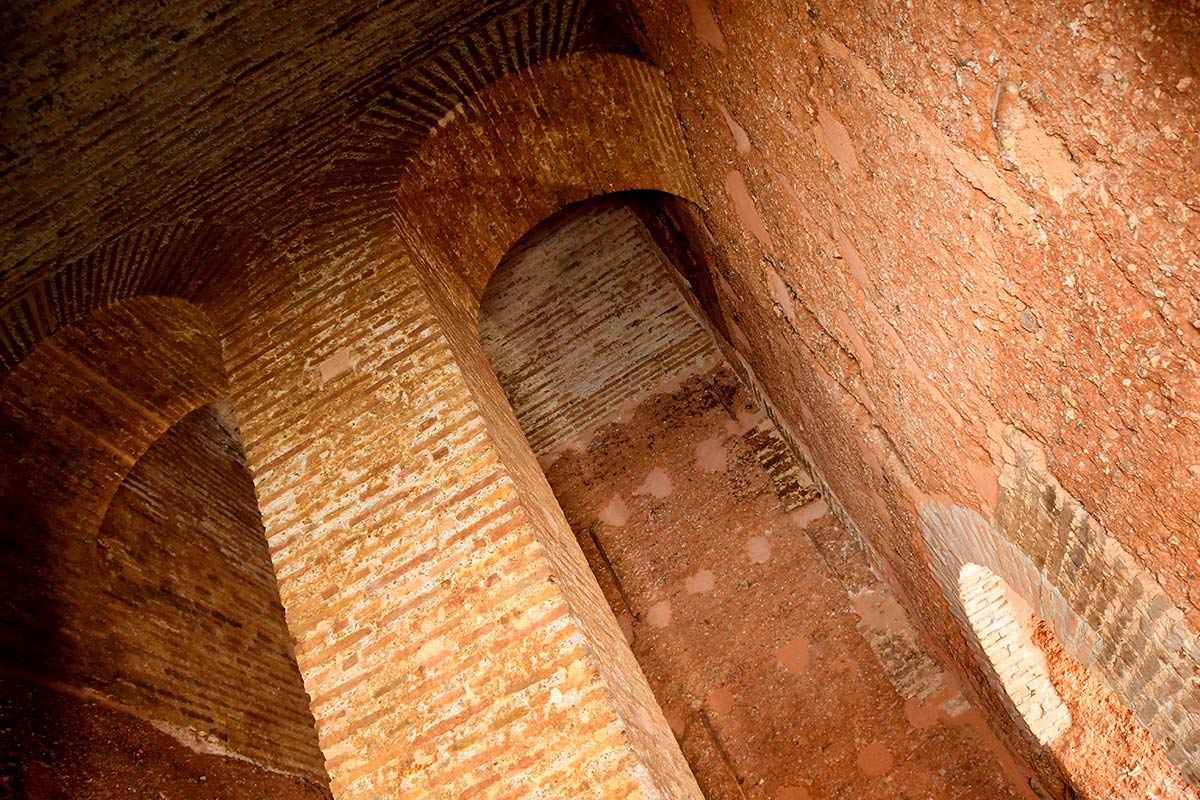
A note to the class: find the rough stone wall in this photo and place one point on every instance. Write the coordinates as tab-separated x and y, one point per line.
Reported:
136	572
581	318
435	640
927	224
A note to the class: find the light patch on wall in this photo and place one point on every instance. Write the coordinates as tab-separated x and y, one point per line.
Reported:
335	366
710	455
741	141
857	343
615	512
835	139
1043	158
808	514
743	204
657	483
779	291
987	484
707	29
851	257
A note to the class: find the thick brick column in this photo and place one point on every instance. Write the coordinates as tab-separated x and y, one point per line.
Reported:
434	639
521	150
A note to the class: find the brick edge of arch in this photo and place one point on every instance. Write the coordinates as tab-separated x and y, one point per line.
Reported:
187	259
72	447
1106	610
511	156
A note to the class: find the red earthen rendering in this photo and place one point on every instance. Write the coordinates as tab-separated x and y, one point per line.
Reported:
600	399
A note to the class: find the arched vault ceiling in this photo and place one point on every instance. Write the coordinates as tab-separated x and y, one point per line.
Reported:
123	113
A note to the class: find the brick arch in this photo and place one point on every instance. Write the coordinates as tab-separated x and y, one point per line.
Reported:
361	176
135	566
999	618
171	259
76	415
511	156
528	146
90	400
84	405
1106	610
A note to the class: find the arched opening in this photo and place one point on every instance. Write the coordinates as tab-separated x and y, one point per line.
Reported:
144	642
1062	705
758	622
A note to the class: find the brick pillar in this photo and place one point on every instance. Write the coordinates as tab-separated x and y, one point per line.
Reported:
439	652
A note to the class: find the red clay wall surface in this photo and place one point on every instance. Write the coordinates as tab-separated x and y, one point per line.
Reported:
931	224
896	305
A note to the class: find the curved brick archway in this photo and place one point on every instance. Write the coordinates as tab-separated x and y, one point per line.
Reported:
1107	612
528	146
140	593
88	401
517	153
78	414
175	259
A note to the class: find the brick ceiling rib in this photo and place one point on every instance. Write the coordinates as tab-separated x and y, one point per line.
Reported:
125	114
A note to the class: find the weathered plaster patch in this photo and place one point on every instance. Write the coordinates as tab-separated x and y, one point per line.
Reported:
707	28
743	205
835	140
336	365
741	141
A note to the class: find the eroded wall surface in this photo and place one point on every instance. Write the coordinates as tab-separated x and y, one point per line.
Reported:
929	224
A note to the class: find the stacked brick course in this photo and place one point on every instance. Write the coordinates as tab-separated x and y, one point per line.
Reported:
441	651
586	296
996	619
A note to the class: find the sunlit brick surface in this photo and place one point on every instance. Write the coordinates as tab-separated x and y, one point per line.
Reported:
1001	627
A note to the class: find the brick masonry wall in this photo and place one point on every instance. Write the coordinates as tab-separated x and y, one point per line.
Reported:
532	144
581	318
135	567
127	125
173	259
183	589
1103	607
